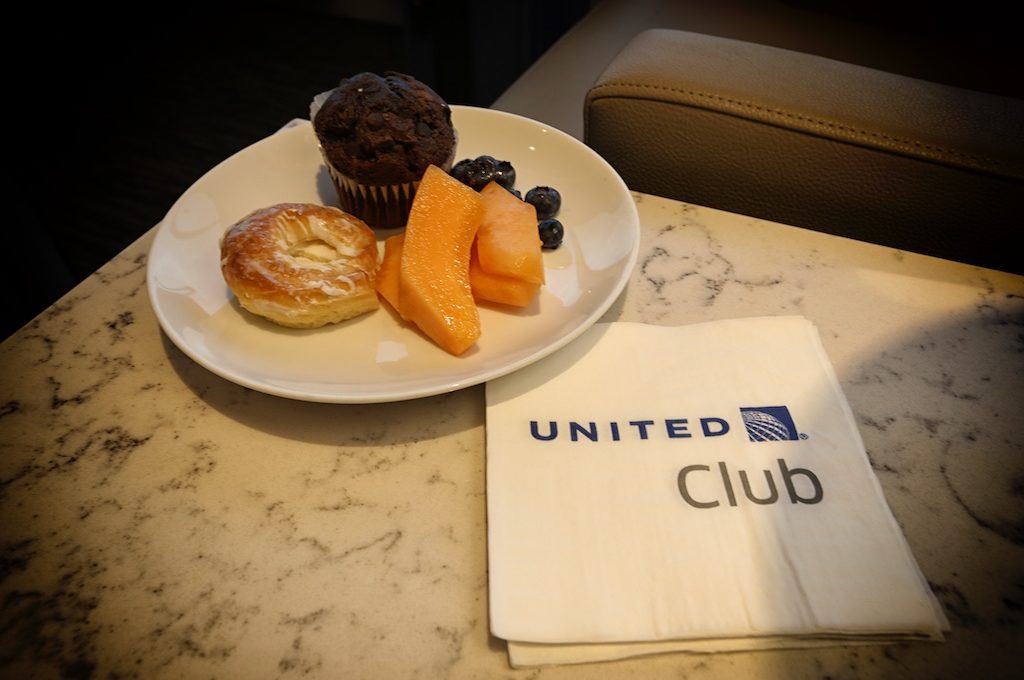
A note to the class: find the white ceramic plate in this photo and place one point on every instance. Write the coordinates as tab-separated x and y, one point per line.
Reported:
376	358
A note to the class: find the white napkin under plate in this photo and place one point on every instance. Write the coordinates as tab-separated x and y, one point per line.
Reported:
695	488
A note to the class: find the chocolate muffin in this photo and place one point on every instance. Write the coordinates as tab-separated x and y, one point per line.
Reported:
377	135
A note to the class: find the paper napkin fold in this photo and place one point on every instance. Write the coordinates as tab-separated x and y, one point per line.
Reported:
695	488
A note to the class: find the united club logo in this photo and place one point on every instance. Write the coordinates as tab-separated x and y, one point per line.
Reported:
701	485
768	423
762	424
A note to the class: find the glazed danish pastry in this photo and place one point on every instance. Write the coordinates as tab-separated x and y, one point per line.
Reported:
301	265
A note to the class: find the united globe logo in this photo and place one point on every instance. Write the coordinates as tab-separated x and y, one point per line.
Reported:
769	423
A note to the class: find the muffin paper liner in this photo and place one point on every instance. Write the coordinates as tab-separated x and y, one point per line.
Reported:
380	206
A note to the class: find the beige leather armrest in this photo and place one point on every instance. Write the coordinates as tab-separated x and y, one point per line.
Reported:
815	143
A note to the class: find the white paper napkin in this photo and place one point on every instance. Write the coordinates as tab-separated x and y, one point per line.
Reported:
695	488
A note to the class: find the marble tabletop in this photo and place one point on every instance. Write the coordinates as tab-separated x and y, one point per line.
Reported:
159	521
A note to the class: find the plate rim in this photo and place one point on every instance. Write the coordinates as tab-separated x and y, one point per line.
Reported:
440	386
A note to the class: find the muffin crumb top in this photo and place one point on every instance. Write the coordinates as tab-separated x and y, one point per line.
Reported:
384	129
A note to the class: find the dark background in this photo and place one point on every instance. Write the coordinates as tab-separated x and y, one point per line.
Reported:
114	114
122	113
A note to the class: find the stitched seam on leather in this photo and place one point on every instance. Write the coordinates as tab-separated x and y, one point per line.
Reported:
887	140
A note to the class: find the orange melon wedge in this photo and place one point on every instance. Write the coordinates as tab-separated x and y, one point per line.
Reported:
501	289
390	267
508	243
433	283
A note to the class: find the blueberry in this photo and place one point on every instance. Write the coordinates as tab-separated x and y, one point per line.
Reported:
546	200
488	162
551	233
461	170
475	172
505	175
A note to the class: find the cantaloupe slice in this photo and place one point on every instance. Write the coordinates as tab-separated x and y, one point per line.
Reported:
390	265
496	288
508	243
433	283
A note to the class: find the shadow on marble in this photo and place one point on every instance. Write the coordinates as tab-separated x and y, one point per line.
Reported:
371	425
944	439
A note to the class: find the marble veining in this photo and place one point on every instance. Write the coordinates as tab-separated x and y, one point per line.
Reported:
159	521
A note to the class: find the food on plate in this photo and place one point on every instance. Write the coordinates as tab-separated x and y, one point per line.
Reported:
301	265
378	134
481	171
485	287
501	289
546	200
551	233
434	291
390	269
478	172
508	243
